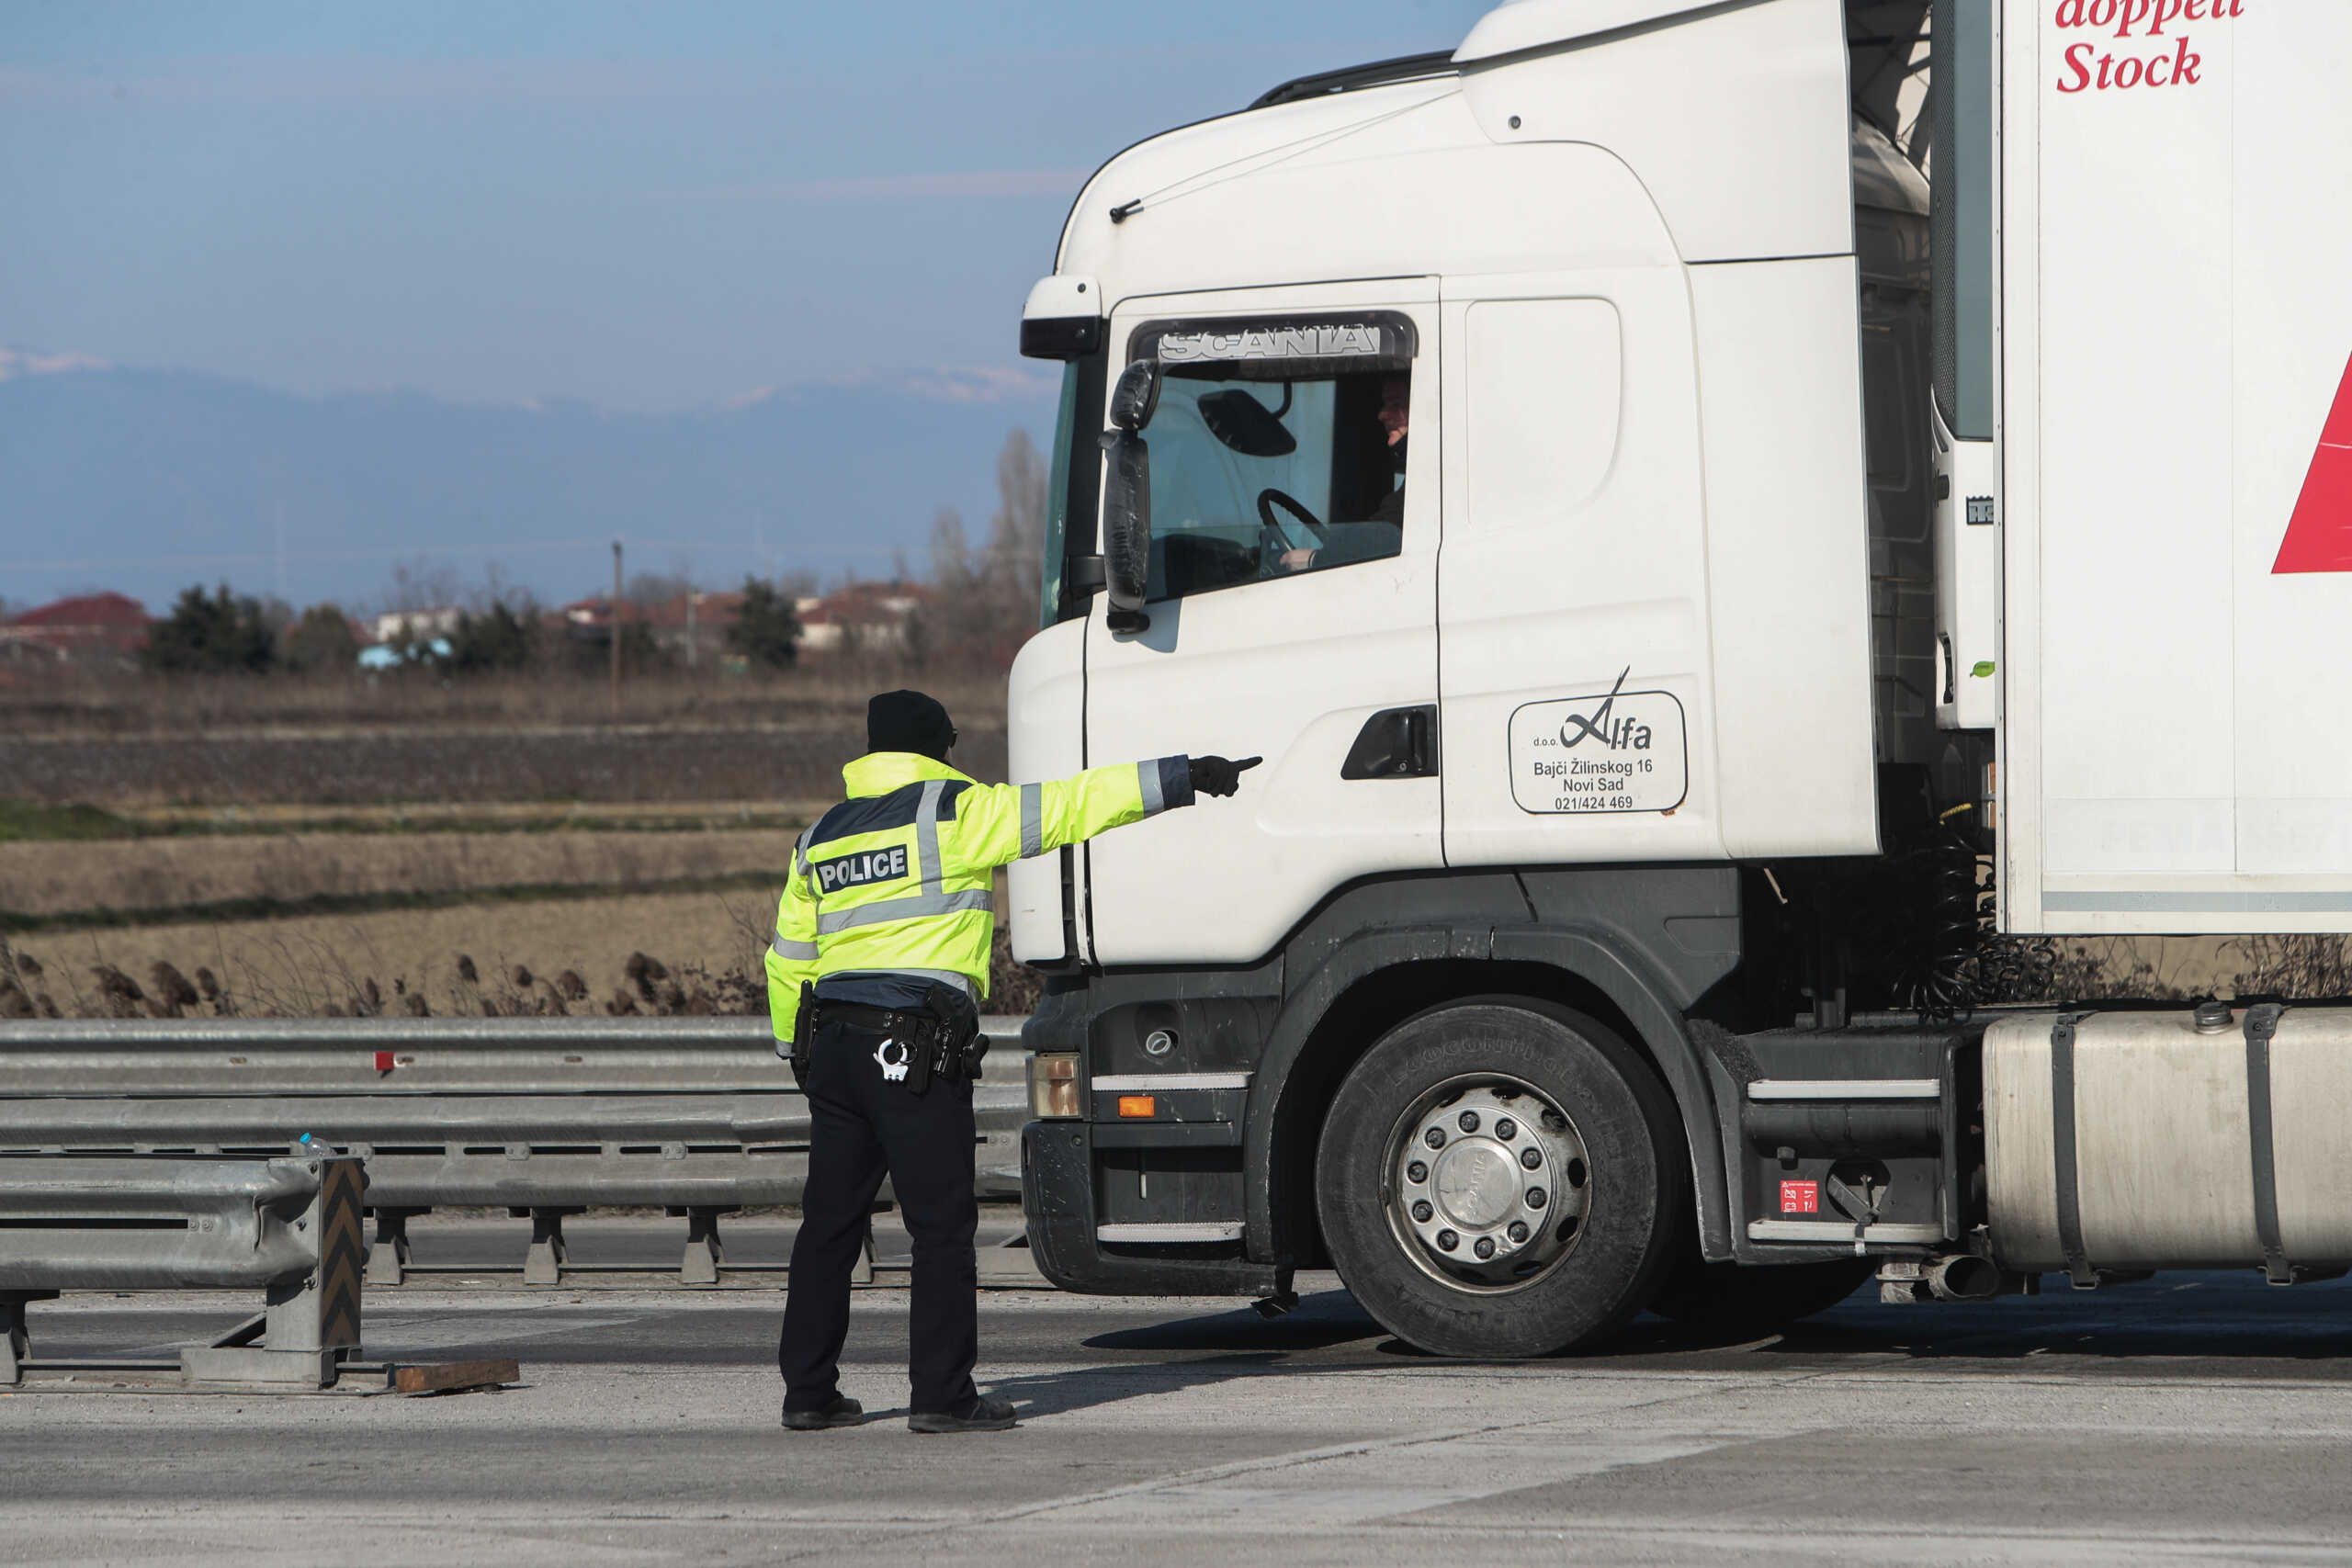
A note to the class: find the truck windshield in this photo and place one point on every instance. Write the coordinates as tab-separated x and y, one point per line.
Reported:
1267	477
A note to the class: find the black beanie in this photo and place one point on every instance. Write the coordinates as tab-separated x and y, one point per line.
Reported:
909	721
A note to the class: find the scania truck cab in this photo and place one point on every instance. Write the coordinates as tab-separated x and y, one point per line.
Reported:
1727	521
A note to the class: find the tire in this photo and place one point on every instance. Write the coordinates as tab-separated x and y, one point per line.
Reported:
1540	1074
1724	1300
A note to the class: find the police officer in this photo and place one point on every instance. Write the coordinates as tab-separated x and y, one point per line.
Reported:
880	958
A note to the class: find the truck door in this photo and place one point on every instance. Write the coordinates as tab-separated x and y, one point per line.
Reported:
1292	612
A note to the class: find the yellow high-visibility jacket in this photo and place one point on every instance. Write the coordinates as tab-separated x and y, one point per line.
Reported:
897	880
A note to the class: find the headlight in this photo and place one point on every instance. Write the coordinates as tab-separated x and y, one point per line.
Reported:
1053	1085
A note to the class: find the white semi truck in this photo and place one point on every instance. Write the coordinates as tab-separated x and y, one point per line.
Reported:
1726	521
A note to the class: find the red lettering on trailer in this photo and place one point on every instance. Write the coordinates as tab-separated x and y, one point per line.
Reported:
2319	535
2086	69
2148	15
2184	68
1799	1197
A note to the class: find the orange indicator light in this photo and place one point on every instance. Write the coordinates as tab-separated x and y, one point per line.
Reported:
1138	1105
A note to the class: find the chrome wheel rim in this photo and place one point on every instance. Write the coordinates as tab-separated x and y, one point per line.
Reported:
1488	1184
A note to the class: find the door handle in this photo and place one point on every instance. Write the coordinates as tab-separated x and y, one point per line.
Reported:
1395	743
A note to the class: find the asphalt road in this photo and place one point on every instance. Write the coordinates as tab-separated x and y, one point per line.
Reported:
2193	1418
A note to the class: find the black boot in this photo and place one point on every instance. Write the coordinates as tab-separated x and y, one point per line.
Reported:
839	1411
977	1413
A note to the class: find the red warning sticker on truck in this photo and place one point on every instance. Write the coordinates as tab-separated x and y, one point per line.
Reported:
1799	1197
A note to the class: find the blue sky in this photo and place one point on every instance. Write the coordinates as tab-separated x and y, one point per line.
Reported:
649	208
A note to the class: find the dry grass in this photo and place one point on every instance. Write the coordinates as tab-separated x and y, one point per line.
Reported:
490	817
52	879
2181	968
475	960
657	954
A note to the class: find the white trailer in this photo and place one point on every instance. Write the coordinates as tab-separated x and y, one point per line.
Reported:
1721	518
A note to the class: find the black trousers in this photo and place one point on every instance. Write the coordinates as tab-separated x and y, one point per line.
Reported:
862	1125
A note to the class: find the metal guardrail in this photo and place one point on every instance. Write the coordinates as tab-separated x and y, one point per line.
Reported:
289	1227
544	1117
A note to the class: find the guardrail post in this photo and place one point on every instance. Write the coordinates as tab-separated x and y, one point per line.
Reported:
706	1254
16	1335
543	1265
388	1259
313	1320
862	1274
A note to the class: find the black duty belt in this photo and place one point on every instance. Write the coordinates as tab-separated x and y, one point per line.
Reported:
942	1040
858	1015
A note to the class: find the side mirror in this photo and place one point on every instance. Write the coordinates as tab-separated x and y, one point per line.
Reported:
1126	496
1137	397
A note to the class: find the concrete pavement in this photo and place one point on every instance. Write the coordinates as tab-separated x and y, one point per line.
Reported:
2194	1418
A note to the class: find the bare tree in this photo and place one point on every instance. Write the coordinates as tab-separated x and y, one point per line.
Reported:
648	588
420	585
1018	529
988	601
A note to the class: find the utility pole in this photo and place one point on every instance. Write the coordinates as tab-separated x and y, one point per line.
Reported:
616	619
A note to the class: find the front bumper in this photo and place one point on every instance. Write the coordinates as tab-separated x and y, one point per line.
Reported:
1057	1198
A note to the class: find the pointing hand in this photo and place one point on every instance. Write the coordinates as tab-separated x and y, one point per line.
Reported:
1218	775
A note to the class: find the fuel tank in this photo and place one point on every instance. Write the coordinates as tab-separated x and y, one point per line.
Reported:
2213	1138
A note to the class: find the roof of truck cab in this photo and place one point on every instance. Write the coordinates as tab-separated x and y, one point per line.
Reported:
1516	26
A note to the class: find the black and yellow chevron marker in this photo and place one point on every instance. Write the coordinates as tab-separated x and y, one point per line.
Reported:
342	1252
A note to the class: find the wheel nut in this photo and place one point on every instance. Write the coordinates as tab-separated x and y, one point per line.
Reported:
1506	1129
1422	1211
1517	1232
1447	1241
1535	1197
1434	1137
1531	1157
1485	1247
1417	1172
1469	1120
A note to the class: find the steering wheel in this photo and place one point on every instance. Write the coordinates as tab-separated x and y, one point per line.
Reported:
1269	498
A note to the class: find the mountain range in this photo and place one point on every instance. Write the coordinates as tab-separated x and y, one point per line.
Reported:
144	481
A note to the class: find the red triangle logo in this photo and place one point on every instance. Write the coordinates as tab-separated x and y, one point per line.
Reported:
2319	536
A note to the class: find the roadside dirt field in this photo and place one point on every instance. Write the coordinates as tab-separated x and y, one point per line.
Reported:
302	966
164	873
377	767
564	862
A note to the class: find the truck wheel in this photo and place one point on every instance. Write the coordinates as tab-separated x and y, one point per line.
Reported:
1502	1177
1714	1298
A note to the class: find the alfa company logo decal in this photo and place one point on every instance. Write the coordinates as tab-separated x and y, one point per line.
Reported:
2318	535
1615	750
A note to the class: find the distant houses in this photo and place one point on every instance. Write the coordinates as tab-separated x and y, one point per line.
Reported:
91	629
398	628
864	618
858	618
